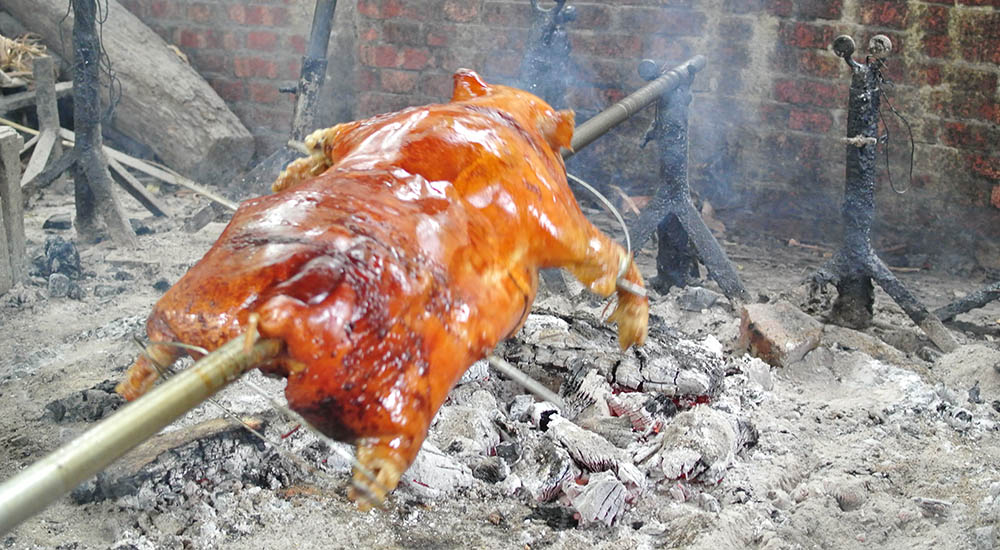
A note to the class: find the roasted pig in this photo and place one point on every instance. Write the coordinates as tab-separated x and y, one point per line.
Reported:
399	252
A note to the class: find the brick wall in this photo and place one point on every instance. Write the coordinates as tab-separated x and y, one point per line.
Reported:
768	113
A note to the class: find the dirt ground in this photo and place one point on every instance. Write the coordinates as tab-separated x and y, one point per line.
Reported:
874	440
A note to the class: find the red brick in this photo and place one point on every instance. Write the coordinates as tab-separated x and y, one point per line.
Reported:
809	121
804	92
805	35
400	32
378	56
502	64
192	39
781	8
937	45
733	55
982	165
297	43
398	82
661	21
742	6
366	79
990	112
592	17
972	80
264	93
669	49
161	8
262	40
461	11
237	13
437	38
820	9
373	103
265	15
884	14
228	90
820	63
210	62
414	58
970	136
606	44
977	24
437	85
135	7
982	51
506	14
244	67
774	114
387	9
934	19
293	68
201	13
370	34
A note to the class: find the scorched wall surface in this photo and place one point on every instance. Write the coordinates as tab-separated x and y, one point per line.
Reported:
767	118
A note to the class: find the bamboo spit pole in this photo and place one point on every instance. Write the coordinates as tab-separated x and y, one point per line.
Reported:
34	488
607	119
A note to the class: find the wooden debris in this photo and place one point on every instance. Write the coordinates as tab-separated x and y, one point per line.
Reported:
49	145
161	173
169	106
135	188
12	243
21	100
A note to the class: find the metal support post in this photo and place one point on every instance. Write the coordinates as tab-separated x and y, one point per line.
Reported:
855	267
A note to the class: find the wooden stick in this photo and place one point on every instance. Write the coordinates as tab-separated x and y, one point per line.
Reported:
163	174
27	99
135	188
37	486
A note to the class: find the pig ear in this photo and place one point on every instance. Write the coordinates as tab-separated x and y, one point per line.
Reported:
468	85
558	129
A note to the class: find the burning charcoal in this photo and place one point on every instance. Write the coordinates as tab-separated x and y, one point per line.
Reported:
629	373
645	412
543	467
849	494
581	392
932	507
521	407
468	430
699	443
697	299
709	503
139	227
58	222
588	449
556	517
601	499
491	469
103	291
542	413
59	256
434	474
479	371
59	285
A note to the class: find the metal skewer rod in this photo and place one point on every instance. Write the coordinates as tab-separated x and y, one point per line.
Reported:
34	488
635	102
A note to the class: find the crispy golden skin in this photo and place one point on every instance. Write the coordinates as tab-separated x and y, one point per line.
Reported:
392	258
